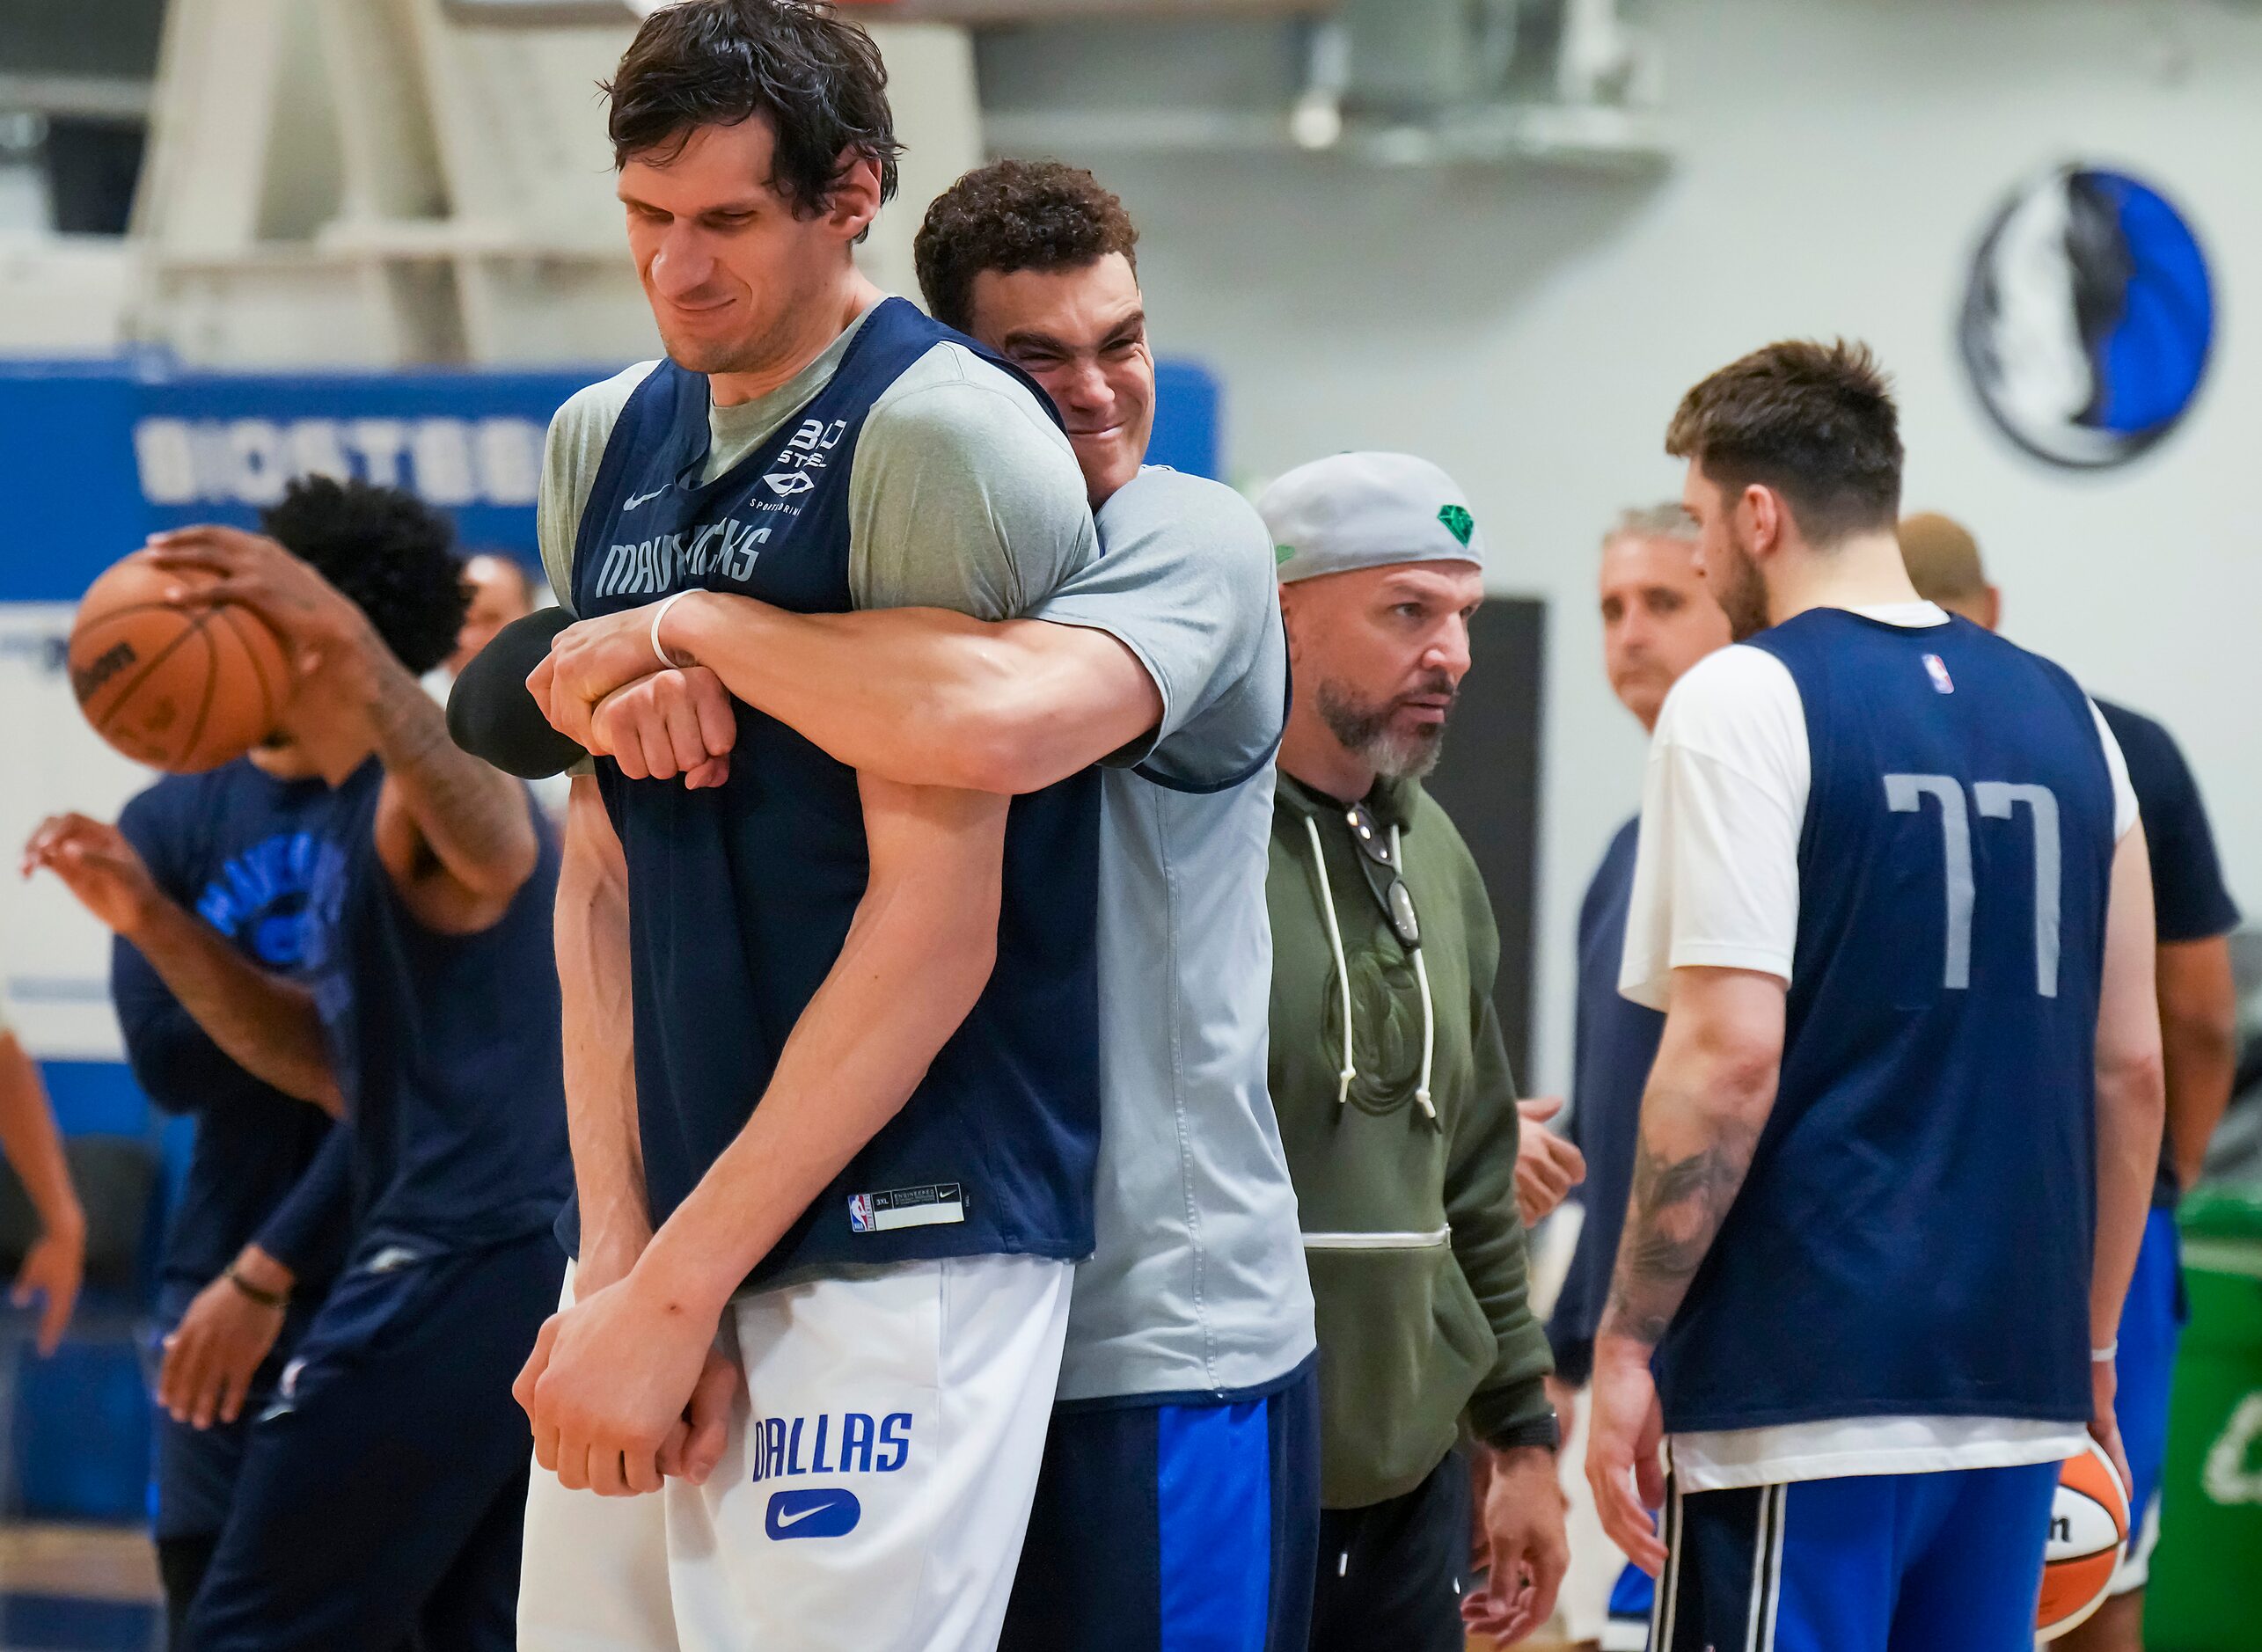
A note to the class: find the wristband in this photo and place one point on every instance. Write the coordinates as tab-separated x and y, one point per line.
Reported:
666	660
260	1294
2106	1355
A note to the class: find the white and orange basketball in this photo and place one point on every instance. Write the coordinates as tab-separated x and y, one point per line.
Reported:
2089	1525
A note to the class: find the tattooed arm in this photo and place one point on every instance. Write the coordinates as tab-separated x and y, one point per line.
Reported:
1708	1100
457	837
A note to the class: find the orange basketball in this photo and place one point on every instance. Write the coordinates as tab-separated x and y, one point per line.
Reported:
182	688
2089	1524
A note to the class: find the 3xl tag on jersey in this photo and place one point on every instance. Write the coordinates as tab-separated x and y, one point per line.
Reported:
906	1207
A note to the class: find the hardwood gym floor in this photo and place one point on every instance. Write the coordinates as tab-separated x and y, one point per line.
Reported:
94	1588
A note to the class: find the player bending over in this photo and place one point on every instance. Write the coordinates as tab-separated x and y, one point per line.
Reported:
1896	1150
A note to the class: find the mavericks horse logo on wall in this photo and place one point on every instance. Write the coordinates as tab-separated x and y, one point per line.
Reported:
2087	318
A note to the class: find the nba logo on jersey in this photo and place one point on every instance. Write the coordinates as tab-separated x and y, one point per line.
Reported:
860	1213
1938	668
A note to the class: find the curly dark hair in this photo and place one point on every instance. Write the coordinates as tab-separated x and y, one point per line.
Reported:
1814	421
388	551
817	80
1015	216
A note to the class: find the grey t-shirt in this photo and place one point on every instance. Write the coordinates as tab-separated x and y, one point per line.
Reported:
1197	1285
963	494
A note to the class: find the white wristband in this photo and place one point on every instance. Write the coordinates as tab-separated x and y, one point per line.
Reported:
659	614
2106	1355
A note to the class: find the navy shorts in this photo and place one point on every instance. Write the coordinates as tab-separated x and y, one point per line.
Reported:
1944	1562
382	1491
193	1471
1173	1528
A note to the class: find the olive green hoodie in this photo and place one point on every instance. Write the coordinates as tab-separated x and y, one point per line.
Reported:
1410	1224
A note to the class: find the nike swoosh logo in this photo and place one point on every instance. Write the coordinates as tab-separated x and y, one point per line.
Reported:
643	499
783	1520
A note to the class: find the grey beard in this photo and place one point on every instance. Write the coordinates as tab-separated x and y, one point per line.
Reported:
1363	728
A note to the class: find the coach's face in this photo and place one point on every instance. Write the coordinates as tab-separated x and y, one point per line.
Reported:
1657	619
735	276
1384	651
1081	333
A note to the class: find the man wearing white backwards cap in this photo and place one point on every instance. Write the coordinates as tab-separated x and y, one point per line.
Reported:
1391	1081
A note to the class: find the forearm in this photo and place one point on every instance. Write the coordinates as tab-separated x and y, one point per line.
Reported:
924	696
1708	1100
2131	1110
2198	1036
600	1051
1510	1405
917	954
2131	1097
31	1143
267	1025
471	818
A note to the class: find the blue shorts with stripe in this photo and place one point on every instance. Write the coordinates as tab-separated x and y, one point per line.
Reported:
1632	1597
1178	1527
1945	1563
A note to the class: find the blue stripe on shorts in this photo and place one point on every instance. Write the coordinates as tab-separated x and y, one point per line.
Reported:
1213	1484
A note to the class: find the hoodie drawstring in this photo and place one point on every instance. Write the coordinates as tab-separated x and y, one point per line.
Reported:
1342	977
1343	964
1428	1007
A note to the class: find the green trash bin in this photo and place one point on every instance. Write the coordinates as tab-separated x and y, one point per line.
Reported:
2205	1591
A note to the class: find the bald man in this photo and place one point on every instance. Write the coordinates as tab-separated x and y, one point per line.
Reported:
2193	915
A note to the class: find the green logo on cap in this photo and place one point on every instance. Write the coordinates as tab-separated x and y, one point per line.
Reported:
1458	523
1281	553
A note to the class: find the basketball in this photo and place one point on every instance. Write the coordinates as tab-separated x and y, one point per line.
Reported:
2089	1524
180	689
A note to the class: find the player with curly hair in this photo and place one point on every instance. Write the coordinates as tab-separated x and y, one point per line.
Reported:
355	916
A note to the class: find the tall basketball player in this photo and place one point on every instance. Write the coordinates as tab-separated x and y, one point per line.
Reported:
1897	1147
1178	1494
380	1491
836	1198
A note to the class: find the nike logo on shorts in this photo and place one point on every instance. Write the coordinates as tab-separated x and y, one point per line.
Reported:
817	1512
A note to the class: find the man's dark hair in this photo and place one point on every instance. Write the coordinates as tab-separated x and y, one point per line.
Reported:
817	80
1814	421
1015	216
388	551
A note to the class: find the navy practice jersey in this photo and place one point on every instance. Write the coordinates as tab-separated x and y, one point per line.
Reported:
1915	1236
1615	1045
2189	900
241	851
740	896
446	1047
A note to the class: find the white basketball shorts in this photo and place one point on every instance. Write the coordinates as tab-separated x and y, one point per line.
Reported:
873	1497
